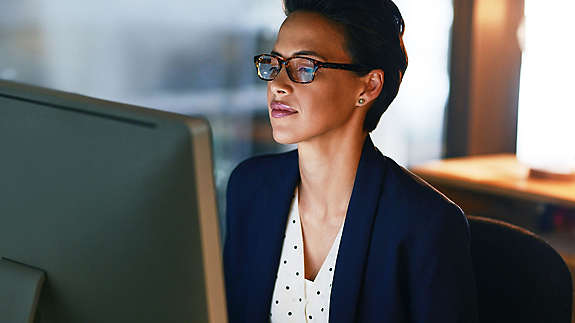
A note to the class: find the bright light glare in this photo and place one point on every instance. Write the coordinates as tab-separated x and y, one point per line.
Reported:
546	123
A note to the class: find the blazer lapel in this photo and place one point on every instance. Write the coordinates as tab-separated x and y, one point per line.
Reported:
354	244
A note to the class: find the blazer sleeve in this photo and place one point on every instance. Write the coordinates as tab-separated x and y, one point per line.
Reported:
442	283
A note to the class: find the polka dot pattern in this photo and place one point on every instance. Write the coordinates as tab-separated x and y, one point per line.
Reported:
296	299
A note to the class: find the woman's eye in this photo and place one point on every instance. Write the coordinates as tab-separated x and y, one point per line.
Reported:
272	69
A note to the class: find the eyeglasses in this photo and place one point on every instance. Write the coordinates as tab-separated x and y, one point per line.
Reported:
299	69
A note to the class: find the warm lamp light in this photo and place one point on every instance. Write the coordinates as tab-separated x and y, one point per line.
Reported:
546	121
491	12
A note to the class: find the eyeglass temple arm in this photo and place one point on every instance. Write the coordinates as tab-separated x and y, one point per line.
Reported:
350	67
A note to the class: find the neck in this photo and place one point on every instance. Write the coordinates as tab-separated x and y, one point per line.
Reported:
328	165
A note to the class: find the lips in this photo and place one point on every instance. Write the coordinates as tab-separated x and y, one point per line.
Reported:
276	105
280	109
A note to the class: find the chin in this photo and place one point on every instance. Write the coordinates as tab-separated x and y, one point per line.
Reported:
285	138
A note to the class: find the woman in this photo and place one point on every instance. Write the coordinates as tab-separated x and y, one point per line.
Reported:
334	230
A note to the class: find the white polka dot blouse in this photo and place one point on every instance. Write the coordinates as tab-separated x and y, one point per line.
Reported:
296	299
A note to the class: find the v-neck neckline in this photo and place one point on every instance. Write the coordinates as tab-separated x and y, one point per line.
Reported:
334	245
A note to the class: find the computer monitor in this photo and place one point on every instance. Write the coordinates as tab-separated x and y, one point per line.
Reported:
113	204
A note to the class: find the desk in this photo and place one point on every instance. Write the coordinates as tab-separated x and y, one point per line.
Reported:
501	175
498	186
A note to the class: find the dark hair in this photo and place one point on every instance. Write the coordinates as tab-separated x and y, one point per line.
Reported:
374	38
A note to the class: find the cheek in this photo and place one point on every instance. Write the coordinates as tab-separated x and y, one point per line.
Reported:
329	103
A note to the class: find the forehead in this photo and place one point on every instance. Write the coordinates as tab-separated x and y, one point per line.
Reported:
311	31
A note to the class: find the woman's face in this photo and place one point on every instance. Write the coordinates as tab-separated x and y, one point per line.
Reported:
327	104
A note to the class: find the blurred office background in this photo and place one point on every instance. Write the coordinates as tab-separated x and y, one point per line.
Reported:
461	95
195	57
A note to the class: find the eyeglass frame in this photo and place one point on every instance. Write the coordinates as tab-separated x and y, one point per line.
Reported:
317	64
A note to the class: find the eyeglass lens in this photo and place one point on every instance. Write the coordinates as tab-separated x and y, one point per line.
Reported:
299	69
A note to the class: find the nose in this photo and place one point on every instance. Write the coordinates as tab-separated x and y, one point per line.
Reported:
281	84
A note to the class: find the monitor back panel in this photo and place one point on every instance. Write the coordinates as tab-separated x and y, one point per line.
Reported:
101	199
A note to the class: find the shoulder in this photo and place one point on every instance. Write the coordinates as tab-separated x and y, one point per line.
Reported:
422	204
257	168
413	186
258	172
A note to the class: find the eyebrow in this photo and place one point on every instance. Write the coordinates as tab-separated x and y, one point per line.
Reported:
301	52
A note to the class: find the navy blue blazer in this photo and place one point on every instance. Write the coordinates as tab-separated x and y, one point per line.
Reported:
404	254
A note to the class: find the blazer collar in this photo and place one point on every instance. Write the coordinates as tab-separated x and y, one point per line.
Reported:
273	210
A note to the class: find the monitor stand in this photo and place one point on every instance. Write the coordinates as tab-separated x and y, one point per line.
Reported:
20	287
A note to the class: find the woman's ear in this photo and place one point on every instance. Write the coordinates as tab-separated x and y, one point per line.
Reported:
372	86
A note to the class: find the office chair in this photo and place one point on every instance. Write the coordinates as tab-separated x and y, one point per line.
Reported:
519	277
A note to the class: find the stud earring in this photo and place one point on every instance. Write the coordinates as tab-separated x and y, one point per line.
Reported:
361	101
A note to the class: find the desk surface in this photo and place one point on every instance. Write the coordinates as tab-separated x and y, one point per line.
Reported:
499	174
